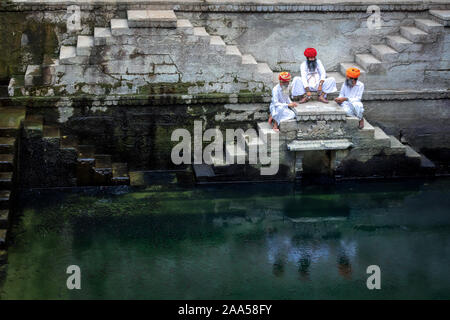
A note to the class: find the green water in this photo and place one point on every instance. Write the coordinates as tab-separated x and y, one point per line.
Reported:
271	241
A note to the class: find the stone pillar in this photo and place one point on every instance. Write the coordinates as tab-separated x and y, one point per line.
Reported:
336	158
298	163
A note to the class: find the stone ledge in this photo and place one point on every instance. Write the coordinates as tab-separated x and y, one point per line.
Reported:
207	98
262	6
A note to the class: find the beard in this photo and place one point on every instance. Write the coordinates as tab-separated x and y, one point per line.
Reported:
349	83
312	65
285	90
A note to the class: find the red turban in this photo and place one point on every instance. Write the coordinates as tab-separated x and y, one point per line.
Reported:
284	77
353	72
310	53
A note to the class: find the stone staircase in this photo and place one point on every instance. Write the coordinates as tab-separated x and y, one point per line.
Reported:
92	169
10	120
407	54
371	145
111	43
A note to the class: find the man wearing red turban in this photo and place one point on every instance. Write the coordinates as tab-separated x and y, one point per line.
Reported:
281	102
351	95
313	78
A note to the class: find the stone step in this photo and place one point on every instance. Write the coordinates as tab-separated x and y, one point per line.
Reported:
102	36
416	35
103	161
7	144
69	141
411	153
120	173
86	151
4	216
203	171
248	59
67	54
200	32
368	131
10	119
152	19
6	180
442	16
369	62
50	132
343	66
119	27
5	199
218	44
264	69
6	162
185	26
85	45
429	26
396	146
381	138
233	51
235	153
427	164
340	79
2	239
384	52
401	44
265	131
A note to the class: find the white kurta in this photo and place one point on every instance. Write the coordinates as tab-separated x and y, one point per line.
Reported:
312	80
279	105
353	106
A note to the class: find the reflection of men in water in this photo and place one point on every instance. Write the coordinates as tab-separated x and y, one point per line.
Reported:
344	266
303	267
278	266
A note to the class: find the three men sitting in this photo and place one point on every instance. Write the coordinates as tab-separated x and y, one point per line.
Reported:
313	78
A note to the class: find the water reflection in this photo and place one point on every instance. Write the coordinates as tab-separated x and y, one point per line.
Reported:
269	242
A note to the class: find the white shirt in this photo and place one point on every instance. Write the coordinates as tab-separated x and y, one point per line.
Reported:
318	74
353	94
278	98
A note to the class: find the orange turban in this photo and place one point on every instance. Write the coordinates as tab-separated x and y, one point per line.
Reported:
284	77
353	72
310	53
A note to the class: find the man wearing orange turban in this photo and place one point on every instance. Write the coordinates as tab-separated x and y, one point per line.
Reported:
313	78
281	102
351	95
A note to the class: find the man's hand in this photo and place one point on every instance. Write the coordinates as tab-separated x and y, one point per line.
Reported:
292	105
340	100
319	89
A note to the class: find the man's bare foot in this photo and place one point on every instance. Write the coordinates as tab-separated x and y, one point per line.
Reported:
270	119
304	99
275	126
361	123
323	99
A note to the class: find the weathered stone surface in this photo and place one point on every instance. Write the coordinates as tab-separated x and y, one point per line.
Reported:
151	18
85	45
102	36
120	27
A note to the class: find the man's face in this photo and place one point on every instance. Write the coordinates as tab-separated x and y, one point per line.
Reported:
351	81
284	84
311	59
